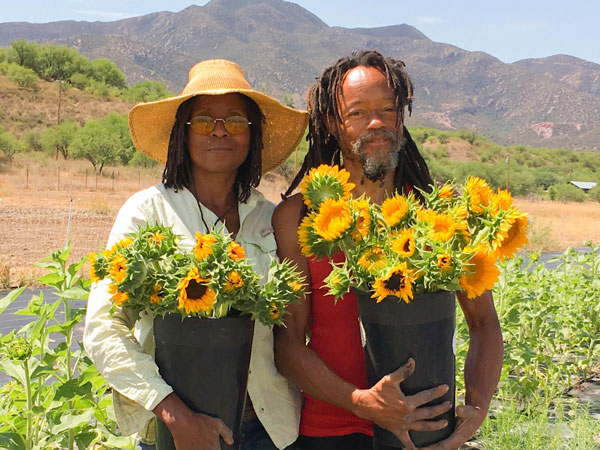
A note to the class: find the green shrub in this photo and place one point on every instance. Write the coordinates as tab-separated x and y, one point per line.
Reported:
23	76
594	193
33	140
566	193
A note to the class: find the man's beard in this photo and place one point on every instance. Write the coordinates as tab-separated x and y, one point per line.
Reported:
377	165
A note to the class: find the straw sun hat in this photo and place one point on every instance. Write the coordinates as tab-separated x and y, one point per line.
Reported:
151	123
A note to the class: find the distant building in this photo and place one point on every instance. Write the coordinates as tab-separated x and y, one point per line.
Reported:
584	185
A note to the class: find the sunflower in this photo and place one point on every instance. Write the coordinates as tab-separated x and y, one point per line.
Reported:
481	275
304	231
394	209
93	275
325	182
511	235
444	262
502	200
156	239
120	297
203	248
397	283
194	294
112	288
118	269
235	251
295	285
478	193
108	253
444	227
274	312
155	297
363	217
333	219
234	281
372	259
403	243
446	192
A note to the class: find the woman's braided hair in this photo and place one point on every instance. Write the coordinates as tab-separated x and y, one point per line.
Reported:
322	104
178	170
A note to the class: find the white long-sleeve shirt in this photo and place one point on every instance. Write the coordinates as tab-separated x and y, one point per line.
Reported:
123	350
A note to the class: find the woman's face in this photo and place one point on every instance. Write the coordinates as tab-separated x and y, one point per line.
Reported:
219	151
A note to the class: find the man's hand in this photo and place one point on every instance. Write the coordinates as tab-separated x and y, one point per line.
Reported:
468	420
190	430
387	406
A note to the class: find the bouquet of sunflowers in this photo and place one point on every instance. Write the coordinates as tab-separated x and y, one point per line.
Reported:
149	273
406	246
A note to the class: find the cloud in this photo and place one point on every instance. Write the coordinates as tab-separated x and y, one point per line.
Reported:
428	20
115	15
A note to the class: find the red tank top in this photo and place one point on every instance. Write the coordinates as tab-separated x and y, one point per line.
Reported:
335	337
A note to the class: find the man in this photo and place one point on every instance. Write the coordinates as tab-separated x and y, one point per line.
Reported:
356	110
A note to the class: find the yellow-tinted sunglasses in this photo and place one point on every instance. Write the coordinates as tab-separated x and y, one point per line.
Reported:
206	124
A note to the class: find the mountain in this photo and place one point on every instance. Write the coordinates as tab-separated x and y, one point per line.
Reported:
282	47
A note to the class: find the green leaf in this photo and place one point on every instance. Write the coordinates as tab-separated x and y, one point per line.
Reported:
71	389
13	370
10	297
52	279
70	420
76	293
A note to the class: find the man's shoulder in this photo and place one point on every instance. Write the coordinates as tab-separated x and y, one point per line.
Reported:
287	214
291	207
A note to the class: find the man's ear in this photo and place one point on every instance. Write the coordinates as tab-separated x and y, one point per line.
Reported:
332	126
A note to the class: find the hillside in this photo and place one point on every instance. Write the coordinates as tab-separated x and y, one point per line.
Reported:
283	47
25	110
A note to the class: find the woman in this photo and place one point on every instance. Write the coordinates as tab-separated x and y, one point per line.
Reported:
217	138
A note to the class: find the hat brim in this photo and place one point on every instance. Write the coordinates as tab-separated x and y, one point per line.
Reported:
151	123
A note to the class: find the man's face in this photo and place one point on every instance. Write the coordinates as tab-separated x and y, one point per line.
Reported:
368	129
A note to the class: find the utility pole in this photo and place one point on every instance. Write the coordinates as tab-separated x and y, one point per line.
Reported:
507	169
58	113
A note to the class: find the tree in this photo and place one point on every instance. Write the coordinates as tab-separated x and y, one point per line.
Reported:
147	91
106	71
287	100
59	137
140	160
10	145
118	126
24	53
58	63
96	144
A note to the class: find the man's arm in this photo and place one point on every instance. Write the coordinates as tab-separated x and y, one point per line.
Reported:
384	403
482	368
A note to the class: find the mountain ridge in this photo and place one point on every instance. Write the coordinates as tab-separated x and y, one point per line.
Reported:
282	47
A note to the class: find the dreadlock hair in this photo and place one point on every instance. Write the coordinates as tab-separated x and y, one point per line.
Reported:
322	104
178	169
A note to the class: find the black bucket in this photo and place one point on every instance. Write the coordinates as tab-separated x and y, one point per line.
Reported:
422	329
206	363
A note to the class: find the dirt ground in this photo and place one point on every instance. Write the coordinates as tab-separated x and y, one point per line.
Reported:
42	208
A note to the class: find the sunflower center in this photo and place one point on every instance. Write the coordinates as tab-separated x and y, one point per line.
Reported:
406	246
396	282
195	290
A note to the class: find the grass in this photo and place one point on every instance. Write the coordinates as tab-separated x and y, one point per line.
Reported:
564	426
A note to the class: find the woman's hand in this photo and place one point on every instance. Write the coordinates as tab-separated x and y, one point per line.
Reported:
190	430
200	432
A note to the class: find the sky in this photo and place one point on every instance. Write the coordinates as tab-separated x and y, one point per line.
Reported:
510	30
